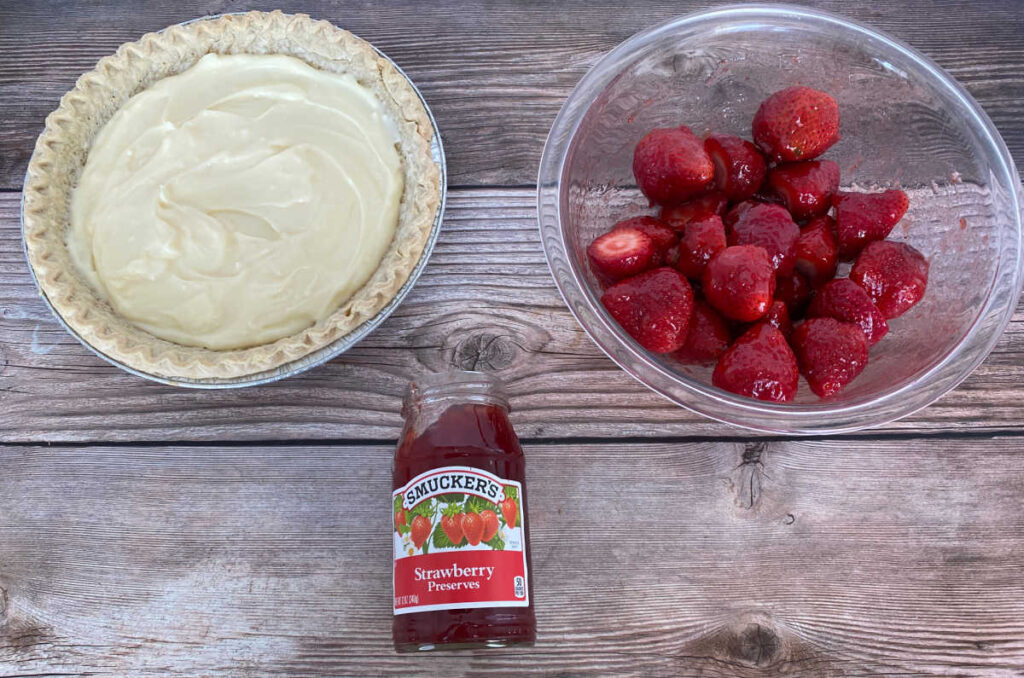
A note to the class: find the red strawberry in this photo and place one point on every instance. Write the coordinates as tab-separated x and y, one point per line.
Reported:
708	338
806	188
797	123
770	227
671	166
894	275
831	353
864	217
419	530
795	292
739	282
739	166
490	519
679	216
702	239
400	518
452	527
817	253
656	229
653	307
473	528
509	511
778	317
621	253
844	300
759	365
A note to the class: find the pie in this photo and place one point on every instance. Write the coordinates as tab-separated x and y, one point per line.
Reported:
230	195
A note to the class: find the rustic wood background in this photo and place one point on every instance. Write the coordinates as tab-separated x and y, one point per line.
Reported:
148	531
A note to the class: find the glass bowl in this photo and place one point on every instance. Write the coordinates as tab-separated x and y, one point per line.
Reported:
905	122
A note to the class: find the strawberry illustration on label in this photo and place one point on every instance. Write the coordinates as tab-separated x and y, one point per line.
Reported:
509	511
400	520
473	528
452	527
420	530
490	519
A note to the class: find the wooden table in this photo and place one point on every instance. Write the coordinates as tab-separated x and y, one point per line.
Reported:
149	531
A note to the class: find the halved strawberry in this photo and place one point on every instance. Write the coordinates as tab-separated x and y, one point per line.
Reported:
621	253
817	254
806	188
708	337
739	282
739	166
654	308
671	166
660	232
865	217
702	239
760	364
831	353
770	227
778	317
845	300
678	216
894	274
795	291
797	123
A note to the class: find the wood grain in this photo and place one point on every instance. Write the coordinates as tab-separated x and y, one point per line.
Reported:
486	301
495	74
650	560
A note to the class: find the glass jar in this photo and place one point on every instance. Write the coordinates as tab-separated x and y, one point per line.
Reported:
461	558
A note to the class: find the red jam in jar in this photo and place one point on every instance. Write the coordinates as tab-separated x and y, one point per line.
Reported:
462	574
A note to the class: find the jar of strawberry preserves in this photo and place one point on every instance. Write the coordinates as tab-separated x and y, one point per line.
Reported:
462	574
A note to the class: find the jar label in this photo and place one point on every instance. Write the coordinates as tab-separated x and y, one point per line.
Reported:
459	542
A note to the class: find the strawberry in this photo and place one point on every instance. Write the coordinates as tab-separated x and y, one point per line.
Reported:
509	511
653	307
817	254
770	227
759	365
778	317
678	216
708	337
865	217
831	353
452	527
739	282
739	166
400	518
806	188
702	239
795	292
894	274
797	123
671	166
621	253
419	530
844	300
656	229
473	528
490	519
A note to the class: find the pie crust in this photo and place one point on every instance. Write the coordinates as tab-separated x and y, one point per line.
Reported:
61	151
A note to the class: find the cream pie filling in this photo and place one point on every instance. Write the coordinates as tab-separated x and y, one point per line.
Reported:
238	202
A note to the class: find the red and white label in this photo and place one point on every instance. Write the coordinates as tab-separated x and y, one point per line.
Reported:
459	542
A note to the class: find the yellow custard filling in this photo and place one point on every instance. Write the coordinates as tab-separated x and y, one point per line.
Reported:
238	202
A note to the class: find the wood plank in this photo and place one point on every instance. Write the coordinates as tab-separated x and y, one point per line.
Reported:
807	558
486	300
495	90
